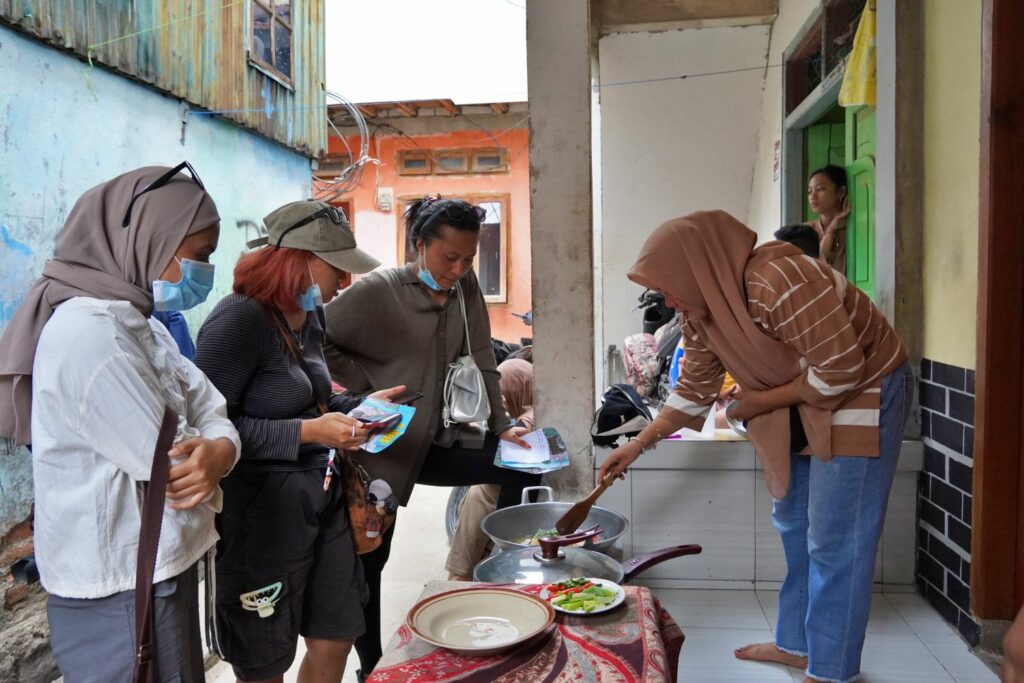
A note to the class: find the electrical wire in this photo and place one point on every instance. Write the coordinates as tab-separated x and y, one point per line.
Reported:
351	176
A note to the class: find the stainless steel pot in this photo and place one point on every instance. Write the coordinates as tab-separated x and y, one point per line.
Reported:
554	562
507	525
736	425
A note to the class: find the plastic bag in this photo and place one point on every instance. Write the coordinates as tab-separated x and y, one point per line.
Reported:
859	85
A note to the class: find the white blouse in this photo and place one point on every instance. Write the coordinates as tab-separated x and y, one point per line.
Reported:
103	373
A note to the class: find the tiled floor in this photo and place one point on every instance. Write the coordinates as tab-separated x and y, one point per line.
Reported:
907	640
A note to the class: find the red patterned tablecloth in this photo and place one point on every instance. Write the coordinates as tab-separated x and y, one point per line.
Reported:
639	641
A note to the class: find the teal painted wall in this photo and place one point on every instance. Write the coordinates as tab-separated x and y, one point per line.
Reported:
57	140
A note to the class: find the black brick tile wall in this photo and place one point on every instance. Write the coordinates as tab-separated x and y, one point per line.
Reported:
961	407
947	497
945	493
961	476
948	432
933	397
959	533
934	462
958	593
931	571
933	515
949	376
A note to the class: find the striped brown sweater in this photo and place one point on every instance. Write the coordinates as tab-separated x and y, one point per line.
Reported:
845	343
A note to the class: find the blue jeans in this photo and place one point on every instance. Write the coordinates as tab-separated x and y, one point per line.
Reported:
830	522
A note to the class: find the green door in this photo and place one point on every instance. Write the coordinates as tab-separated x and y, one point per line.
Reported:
860	171
824	144
860	226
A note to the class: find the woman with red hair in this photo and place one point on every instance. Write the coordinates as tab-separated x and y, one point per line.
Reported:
286	563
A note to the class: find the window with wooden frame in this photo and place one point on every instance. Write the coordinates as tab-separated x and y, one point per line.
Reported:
270	38
452	161
489	161
414	162
492	258
332	165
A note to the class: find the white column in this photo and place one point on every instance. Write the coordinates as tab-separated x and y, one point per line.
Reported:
558	38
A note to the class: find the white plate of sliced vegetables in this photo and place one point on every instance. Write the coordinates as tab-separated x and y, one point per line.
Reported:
583	596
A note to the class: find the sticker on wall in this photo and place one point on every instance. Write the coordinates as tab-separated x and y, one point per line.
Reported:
385	199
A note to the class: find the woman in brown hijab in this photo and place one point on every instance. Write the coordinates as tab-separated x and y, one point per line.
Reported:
85	375
823	396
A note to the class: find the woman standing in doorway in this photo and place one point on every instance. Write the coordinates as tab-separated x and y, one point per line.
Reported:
828	196
799	339
417	330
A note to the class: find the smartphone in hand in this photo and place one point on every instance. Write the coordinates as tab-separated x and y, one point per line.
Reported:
389	422
408	398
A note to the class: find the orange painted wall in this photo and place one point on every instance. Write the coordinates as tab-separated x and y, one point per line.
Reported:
378	232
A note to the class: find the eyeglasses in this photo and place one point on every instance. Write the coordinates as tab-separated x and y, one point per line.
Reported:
336	215
160	182
454	212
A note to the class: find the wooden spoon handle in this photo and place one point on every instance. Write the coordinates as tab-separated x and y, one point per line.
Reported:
599	489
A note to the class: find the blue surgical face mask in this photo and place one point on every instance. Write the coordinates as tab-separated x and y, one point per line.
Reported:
426	278
312	297
190	291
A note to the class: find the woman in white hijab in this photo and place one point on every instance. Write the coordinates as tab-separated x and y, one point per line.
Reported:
85	377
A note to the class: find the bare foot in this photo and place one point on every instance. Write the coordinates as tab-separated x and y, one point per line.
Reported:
457	577
768	652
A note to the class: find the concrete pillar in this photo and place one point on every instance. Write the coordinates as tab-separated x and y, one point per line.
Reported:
558	39
899	175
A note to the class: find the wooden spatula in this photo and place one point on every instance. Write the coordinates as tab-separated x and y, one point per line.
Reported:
577	514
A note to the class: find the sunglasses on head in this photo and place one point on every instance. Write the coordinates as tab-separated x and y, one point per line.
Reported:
455	213
336	215
160	182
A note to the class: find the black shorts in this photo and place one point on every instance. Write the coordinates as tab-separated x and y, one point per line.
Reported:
289	542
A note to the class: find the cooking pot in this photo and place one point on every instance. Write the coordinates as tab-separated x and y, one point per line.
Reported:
507	525
736	425
554	562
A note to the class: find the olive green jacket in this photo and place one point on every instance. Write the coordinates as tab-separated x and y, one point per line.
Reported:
386	330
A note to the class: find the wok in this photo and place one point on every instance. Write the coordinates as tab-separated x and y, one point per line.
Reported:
507	525
554	562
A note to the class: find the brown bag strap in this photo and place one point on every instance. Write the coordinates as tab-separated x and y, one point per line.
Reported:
149	541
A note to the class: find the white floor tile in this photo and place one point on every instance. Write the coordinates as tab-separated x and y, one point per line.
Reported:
884	618
708	656
893	658
713	608
953	654
922	617
418	552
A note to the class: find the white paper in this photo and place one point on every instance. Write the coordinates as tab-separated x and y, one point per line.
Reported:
707	432
537	453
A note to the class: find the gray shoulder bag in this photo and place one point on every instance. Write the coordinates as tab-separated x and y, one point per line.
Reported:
465	394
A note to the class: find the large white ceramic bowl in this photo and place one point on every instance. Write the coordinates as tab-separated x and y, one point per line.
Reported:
480	621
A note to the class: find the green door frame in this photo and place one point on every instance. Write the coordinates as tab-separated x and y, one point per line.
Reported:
899	169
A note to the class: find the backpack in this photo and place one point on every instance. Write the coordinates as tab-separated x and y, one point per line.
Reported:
622	413
640	359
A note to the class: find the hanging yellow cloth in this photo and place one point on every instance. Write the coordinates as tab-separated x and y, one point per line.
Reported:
859	78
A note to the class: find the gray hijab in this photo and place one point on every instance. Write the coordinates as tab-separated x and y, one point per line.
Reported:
96	257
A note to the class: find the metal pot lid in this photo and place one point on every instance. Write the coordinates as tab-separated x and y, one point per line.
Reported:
530	566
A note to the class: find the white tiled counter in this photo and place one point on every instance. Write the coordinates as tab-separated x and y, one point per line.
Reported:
713	493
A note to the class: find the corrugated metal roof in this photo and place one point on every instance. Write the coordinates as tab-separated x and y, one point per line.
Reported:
195	50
